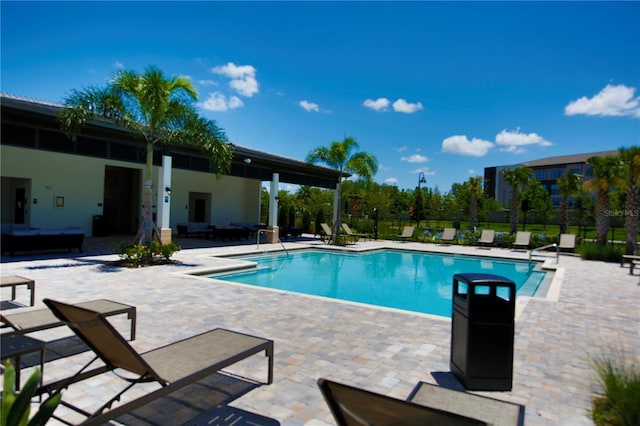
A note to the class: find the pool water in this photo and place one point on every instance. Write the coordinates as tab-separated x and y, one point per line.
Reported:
413	281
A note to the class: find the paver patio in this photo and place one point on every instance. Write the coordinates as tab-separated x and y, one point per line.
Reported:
387	351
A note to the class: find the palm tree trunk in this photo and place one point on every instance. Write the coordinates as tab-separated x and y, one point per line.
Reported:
473	212
602	219
632	207
514	212
146	227
563	216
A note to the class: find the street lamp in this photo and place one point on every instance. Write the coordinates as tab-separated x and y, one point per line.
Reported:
421	180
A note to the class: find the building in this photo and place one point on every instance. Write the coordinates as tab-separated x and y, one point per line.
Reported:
48	181
546	170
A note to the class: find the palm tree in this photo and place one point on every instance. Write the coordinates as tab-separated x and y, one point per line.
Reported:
568	184
158	109
342	157
475	193
516	178
605	172
630	158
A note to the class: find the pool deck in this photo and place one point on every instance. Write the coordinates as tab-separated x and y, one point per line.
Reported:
591	308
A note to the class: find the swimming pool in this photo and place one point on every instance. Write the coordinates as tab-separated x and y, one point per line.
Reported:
413	281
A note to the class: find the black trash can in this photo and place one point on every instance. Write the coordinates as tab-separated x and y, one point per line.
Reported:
482	331
99	226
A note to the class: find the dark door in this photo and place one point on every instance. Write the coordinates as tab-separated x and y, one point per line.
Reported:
200	211
20	205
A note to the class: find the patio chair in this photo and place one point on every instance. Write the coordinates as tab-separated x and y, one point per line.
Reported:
407	233
353	406
351	234
487	237
523	240
487	409
567	242
448	234
172	366
326	234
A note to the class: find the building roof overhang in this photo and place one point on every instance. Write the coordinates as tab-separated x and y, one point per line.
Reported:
247	162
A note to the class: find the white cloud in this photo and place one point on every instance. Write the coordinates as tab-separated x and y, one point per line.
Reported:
118	65
207	83
408	108
309	106
611	101
514	141
471	172
402	148
391	181
415	158
380	104
460	144
424	170
243	78
219	102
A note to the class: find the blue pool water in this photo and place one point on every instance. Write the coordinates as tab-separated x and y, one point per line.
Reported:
413	281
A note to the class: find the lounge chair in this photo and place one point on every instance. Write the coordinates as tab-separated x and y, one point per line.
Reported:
523	240
407	233
448	234
489	410
353	406
356	236
43	319
567	242
326	234
172	366
487	237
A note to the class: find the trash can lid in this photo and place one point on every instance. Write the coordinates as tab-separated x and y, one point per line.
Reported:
480	278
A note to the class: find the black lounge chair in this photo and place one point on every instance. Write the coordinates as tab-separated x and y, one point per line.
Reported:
172	366
353	406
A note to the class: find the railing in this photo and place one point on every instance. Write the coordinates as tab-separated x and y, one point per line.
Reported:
260	231
544	248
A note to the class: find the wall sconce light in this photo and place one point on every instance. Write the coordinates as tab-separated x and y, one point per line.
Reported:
168	190
247	160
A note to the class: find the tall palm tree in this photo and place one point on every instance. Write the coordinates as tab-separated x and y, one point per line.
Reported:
605	172
475	193
630	158
568	184
158	109
516	178
343	157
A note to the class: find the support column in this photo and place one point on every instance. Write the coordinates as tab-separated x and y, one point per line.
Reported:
336	210
273	235
164	200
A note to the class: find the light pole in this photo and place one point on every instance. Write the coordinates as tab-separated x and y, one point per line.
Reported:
421	180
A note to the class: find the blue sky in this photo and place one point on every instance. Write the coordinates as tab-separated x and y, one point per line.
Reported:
445	89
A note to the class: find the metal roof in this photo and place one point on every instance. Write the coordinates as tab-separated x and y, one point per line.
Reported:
247	162
567	159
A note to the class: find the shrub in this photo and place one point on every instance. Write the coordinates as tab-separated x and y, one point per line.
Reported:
605	253
16	407
620	381
134	254
165	250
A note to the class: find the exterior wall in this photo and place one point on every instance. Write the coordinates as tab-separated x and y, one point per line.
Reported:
232	199
80	180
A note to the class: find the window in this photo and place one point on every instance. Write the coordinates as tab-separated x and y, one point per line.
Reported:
556	173
541	174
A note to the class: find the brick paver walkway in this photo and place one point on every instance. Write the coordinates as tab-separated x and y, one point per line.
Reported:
597	310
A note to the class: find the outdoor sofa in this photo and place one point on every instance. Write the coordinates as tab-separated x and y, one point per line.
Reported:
22	238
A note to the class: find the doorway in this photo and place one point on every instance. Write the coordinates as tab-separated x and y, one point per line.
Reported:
121	199
16	193
199	207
